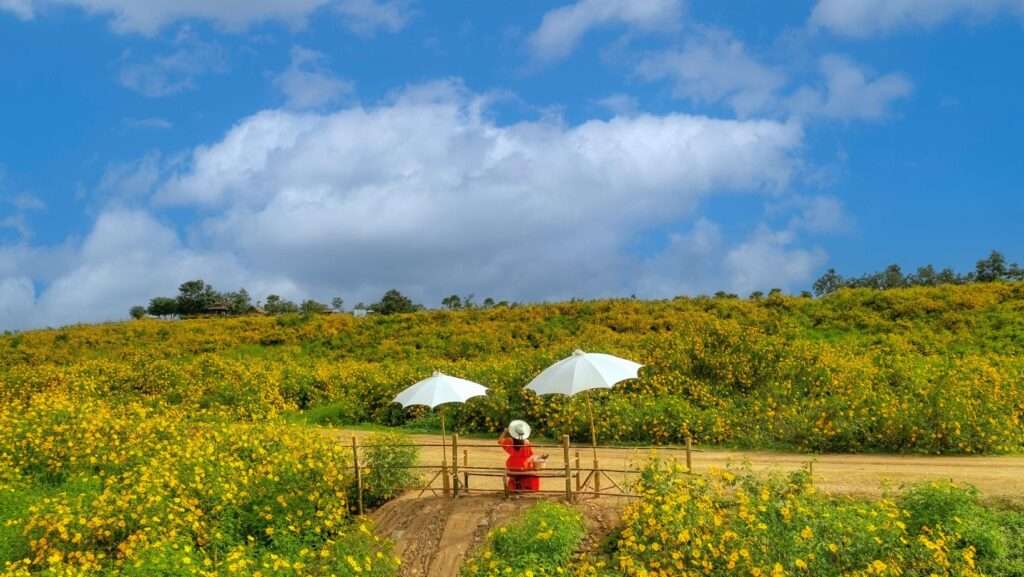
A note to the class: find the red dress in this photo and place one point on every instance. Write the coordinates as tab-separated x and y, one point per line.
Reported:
520	459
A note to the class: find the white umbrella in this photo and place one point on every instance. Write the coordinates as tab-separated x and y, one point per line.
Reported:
437	390
582	372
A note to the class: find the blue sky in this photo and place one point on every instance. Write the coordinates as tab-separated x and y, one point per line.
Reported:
543	150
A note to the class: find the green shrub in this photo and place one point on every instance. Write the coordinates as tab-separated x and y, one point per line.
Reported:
340	412
540	542
997	536
387	473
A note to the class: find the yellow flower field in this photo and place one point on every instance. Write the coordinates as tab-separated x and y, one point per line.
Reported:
170	447
931	370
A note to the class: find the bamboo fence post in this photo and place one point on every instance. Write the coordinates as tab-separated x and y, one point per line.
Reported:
455	464
446	481
593	442
359	474
689	454
577	470
568	468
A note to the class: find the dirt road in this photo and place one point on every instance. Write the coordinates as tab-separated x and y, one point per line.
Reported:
1000	478
434	535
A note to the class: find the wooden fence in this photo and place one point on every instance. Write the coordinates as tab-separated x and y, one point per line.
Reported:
578	478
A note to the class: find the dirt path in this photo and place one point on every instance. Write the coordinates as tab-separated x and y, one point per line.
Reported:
999	478
434	535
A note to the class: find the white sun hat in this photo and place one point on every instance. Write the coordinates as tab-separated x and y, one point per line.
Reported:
519	430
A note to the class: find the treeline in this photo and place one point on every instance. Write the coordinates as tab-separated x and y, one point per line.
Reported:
991	269
197	298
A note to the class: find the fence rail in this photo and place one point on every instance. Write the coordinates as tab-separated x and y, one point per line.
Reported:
579	480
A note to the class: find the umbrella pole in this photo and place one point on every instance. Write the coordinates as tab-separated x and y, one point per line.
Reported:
593	441
444	457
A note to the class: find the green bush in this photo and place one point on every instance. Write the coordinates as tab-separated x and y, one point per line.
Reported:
996	536
387	473
540	542
340	412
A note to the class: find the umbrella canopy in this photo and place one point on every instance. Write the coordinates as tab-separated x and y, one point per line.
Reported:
438	390
581	372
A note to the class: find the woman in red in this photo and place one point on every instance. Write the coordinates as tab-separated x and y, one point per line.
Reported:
520	457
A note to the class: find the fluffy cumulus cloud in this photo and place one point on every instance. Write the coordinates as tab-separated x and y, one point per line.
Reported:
770	259
562	28
427	193
306	83
126	259
702	261
149	16
861	18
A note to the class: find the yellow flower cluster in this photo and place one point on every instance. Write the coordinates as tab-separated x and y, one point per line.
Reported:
732	524
130	489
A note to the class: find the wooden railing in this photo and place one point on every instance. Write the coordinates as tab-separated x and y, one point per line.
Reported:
579	480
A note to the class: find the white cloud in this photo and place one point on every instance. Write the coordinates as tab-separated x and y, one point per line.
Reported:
149	16
619	104
153	123
428	194
425	192
862	18
18	224
174	72
128	258
365	17
562	28
703	261
17	301
24	201
769	260
20	204
21	266
131	182
822	214
307	84
850	92
20	8
713	66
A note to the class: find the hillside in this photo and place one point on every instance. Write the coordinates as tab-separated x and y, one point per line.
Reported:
936	370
